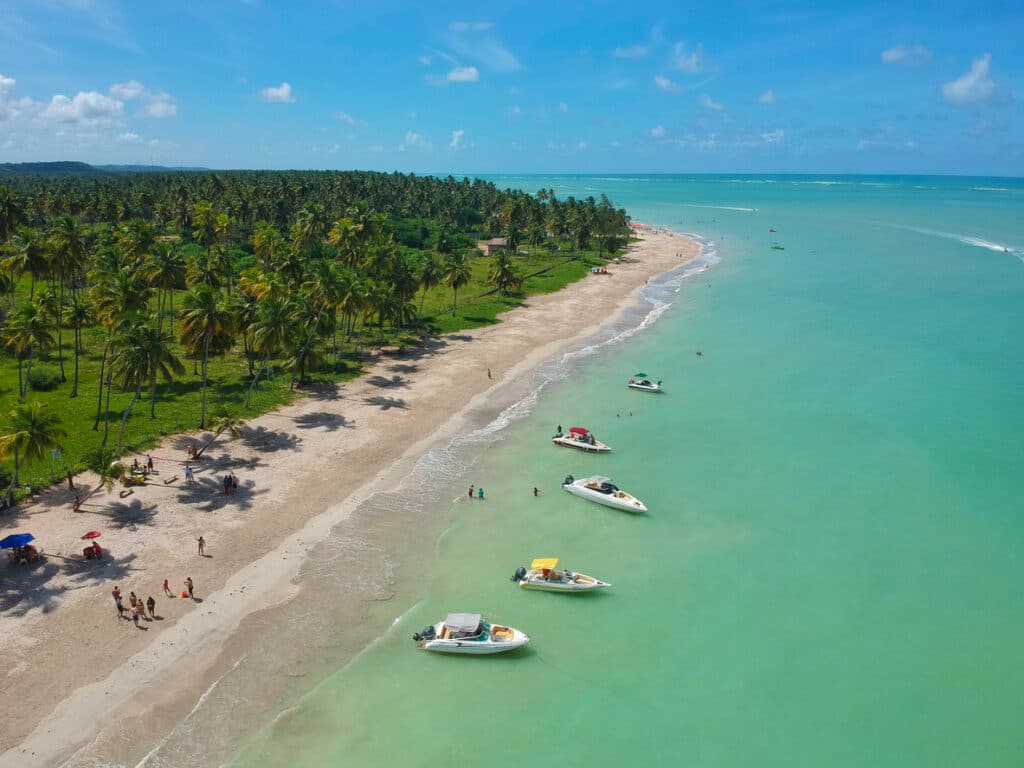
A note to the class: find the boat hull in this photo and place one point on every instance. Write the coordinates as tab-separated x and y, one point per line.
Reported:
627	504
642	388
583	584
470	647
597	447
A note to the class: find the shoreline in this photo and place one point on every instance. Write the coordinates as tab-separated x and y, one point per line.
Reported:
123	672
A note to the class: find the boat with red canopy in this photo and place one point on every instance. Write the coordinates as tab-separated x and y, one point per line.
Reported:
580	438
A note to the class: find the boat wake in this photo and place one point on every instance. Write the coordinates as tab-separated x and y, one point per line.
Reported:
971	240
719	207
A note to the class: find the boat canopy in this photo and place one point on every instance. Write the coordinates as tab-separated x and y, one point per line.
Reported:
640	376
462	622
544	564
599	479
579	431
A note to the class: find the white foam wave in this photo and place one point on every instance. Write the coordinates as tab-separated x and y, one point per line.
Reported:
718	207
749	181
991	189
823	183
972	240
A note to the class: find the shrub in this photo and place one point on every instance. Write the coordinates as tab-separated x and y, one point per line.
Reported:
43	379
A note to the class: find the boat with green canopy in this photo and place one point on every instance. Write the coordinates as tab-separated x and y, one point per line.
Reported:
643	382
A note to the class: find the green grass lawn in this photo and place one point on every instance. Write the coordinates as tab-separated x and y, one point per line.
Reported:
178	402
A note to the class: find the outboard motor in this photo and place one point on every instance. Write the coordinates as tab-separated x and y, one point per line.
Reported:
519	574
569	480
427	634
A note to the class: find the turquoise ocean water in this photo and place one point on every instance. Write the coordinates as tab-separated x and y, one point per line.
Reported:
831	571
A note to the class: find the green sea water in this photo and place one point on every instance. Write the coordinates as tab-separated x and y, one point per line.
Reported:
831	570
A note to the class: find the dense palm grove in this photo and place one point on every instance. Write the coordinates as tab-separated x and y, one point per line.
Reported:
287	270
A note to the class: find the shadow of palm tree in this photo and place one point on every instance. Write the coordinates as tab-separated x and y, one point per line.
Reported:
329	421
460	337
268	440
385	403
130	515
403	368
384	381
24	588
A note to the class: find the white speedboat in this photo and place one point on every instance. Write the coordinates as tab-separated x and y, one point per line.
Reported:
643	382
581	438
471	634
542	574
603	491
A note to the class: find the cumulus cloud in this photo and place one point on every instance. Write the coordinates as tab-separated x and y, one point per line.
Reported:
667	85
414	141
10	107
630	51
690	62
129	138
471	26
156	105
768	97
87	108
129	91
974	87
160	106
346	118
911	55
282	94
773	137
658	131
456	141
463	75
708	103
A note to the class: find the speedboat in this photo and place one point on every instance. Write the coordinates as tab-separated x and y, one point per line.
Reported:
471	634
542	575
643	382
603	491
581	438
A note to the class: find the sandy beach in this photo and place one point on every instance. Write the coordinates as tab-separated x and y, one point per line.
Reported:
82	684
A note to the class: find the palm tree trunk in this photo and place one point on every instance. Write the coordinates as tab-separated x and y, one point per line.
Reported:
106	418
305	347
127	413
256	378
152	394
21	387
99	401
9	495
209	442
28	369
60	330
78	344
206	357
455	300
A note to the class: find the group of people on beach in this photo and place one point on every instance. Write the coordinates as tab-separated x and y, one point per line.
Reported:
137	608
230	483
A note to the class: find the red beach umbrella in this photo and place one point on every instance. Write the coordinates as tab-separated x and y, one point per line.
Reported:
92	535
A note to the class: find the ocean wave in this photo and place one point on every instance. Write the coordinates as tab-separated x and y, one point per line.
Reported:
749	181
971	240
822	183
991	189
719	207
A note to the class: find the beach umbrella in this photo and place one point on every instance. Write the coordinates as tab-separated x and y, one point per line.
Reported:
92	535
16	540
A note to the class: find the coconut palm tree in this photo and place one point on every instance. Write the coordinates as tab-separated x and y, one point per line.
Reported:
164	269
431	274
503	273
107	467
34	431
206	326
29	329
223	421
69	242
79	316
27	251
457	273
12	213
270	332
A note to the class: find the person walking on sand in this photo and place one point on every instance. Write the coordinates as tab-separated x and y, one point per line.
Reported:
234	483
190	476
151	605
202	546
167	588
471	491
488	373
149	462
132	599
188	586
116	592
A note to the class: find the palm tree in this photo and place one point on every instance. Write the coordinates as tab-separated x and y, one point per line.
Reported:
34	432
223	421
431	274
164	270
11	213
503	273
206	324
457	273
270	332
29	329
79	316
104	462
69	242
27	252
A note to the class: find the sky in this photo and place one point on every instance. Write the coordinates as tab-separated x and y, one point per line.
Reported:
517	87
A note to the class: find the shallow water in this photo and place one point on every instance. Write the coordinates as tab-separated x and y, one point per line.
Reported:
830	570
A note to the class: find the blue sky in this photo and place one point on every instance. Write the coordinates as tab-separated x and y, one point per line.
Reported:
517	87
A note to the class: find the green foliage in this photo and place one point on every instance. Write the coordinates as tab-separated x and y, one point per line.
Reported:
43	379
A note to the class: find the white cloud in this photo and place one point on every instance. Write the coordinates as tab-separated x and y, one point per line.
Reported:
630	51
280	95
563	107
414	141
160	106
127	91
129	138
346	118
974	87
424	60
768	97
911	55
487	51
10	107
708	103
690	62
87	108
456	138
658	131
471	26
667	85
773	137
463	75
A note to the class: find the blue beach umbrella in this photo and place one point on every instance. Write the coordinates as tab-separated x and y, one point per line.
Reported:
16	540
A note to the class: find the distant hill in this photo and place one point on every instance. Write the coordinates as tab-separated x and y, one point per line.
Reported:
72	168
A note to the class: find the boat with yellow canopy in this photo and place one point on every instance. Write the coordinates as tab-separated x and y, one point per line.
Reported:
543	574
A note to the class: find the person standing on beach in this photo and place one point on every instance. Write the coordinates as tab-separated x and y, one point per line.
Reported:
202	546
116	592
188	586
190	476
149	462
471	491
234	483
151	605
167	589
